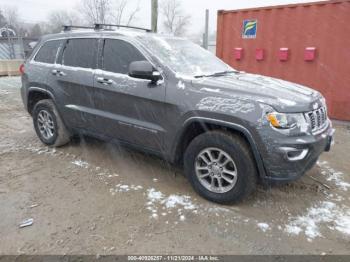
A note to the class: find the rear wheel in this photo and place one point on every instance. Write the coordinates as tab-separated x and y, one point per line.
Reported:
220	167
48	124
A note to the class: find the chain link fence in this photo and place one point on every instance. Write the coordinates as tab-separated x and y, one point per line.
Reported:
13	51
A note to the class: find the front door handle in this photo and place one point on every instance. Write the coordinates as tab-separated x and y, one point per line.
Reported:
104	81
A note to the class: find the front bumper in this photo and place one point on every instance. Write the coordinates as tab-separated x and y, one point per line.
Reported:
288	158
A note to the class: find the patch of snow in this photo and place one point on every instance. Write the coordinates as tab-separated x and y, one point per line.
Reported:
228	105
81	163
326	213
263	227
125	188
157	200
114	175
337	178
42	150
154	195
210	90
287	102
293	230
175	200
4	92
333	175
181	85
343	223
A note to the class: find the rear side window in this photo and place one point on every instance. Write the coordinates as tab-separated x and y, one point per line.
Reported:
48	52
118	54
80	53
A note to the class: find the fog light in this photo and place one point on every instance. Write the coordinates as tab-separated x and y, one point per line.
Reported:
294	154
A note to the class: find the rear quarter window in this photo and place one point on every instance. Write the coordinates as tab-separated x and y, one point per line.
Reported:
48	52
80	53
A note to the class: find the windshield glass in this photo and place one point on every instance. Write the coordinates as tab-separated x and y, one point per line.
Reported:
184	57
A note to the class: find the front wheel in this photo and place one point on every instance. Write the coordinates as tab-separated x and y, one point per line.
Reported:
48	124
220	167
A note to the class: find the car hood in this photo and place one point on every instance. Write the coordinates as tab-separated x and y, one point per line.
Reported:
284	96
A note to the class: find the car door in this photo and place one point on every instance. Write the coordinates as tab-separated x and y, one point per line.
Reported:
72	81
129	108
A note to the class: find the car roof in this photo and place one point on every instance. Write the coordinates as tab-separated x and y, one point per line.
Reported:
101	33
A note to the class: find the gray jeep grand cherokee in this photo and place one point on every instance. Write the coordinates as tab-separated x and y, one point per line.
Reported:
167	96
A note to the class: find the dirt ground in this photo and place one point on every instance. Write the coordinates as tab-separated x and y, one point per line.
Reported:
92	197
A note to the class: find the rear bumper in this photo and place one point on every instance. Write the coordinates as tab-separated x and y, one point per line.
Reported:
292	157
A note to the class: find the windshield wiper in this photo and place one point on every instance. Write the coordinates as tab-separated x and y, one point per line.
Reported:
217	74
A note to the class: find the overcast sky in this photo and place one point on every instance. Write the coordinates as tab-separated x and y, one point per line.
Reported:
37	10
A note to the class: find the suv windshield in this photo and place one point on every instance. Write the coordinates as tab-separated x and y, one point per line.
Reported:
185	57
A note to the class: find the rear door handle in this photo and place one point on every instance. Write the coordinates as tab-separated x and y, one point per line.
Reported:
58	72
104	81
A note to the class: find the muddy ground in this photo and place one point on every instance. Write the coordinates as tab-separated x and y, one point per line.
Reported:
92	197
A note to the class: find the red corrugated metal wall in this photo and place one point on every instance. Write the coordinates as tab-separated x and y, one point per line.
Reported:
324	25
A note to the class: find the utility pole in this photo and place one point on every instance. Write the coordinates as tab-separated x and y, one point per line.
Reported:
154	18
206	30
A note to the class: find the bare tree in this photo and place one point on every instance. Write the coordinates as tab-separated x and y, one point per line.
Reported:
95	11
36	31
61	17
123	14
12	18
176	20
2	18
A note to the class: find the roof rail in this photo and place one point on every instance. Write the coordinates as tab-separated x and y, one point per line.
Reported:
70	27
100	26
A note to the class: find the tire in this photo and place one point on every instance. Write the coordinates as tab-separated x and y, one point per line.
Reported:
233	149
48	124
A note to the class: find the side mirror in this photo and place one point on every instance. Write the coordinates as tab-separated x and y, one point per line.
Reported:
143	70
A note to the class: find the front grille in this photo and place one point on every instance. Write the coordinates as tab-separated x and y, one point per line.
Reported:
317	119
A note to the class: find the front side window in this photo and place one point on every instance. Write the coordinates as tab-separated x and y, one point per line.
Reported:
47	53
118	54
80	53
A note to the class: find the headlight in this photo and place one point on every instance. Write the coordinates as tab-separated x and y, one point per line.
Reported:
285	121
323	102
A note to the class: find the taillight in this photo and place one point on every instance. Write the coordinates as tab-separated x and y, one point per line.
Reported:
21	69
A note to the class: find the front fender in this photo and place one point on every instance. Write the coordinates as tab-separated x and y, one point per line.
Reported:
230	125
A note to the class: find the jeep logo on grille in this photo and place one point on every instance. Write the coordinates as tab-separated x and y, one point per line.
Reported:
315	106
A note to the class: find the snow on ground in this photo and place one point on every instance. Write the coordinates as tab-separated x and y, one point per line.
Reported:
325	213
173	201
4	92
10	82
169	204
124	188
343	223
80	163
312	222
263	227
333	175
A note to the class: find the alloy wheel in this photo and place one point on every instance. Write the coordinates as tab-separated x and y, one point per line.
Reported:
216	170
